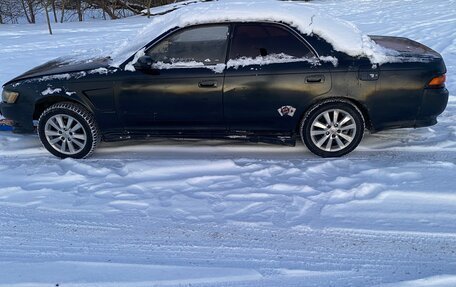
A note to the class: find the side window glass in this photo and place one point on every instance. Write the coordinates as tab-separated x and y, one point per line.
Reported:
261	40
206	45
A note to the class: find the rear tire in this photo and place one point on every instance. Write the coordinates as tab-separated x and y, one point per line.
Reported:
68	130
332	128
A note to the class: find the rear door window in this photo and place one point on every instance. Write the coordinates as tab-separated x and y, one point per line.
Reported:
261	40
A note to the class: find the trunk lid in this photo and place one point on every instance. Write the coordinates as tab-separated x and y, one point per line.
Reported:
406	49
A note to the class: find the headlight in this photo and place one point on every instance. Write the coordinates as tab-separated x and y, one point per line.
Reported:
9	97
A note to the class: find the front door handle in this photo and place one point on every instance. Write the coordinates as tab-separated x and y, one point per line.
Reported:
208	84
315	79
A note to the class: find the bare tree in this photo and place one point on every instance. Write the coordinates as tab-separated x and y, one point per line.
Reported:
46	8
31	9
148	8
11	11
62	16
107	7
25	11
79	9
54	10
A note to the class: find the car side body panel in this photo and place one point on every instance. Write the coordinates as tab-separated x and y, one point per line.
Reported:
254	95
170	100
245	102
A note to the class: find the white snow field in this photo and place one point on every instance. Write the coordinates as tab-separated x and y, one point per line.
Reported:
228	213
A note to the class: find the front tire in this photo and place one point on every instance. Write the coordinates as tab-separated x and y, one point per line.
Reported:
332	128
68	130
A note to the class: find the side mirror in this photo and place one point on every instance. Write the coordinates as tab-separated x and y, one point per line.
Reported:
144	63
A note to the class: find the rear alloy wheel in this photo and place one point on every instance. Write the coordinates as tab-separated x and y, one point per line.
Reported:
68	130
333	128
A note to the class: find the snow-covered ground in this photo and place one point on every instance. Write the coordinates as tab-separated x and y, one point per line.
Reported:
220	213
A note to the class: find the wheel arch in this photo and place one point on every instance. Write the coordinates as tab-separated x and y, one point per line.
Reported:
45	102
359	105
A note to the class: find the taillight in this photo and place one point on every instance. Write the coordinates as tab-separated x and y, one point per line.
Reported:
437	82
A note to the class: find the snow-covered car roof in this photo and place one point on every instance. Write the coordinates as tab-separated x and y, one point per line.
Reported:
342	35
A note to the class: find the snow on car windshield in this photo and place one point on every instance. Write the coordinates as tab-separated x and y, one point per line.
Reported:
342	35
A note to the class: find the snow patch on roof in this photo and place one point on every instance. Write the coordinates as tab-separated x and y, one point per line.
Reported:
342	35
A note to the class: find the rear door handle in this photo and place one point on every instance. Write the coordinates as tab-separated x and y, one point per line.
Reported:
315	79
208	84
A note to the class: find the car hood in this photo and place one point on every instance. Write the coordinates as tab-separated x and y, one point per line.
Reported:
62	66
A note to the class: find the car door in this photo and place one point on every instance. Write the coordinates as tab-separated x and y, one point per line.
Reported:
183	90
272	75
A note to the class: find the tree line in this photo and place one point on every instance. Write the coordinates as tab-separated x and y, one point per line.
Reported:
12	11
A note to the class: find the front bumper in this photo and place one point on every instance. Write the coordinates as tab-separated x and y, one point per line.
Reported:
21	115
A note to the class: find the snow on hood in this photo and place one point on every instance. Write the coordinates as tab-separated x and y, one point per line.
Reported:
342	35
65	68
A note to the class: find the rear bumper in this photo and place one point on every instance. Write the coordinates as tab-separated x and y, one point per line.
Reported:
434	103
21	115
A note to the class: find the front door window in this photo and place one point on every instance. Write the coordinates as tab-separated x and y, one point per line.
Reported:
205	45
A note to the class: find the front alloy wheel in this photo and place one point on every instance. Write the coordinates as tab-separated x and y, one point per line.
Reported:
332	128
65	134
68	130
